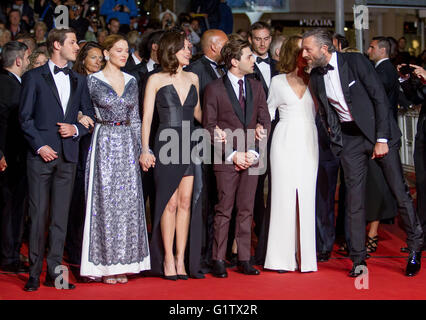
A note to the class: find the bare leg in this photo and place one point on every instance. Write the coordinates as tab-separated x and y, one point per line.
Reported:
182	221
168	226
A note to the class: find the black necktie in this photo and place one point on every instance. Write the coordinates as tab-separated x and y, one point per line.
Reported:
65	70
241	95
324	70
260	60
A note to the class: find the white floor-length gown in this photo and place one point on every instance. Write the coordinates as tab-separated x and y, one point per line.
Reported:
294	166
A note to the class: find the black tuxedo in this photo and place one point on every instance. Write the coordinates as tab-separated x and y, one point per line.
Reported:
131	66
389	78
354	142
261	213
50	183
204	70
417	94
13	186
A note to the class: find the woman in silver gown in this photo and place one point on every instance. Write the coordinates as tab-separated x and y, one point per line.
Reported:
115	241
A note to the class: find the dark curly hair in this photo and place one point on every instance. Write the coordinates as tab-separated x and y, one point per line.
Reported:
170	43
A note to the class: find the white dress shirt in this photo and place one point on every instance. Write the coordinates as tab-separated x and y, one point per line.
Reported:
234	81
150	65
135	59
63	85
265	69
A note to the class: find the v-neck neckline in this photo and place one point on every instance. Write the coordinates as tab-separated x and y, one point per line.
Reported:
177	93
294	92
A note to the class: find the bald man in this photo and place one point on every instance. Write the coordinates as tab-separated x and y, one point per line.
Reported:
207	68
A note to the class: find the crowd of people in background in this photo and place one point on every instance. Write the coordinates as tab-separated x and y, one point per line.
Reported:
82	110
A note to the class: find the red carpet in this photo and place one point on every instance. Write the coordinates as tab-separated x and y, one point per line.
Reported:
385	281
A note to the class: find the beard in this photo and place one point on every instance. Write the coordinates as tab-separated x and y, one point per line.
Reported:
321	61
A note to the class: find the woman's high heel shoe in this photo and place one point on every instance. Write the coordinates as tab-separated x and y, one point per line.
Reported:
372	244
173	278
182	276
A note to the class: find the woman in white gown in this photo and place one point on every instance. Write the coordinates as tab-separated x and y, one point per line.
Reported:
294	165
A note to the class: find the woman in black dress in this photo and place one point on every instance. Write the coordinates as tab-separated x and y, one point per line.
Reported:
174	92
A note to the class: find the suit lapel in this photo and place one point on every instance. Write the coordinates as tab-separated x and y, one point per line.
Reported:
249	102
235	103
344	77
47	75
260	77
73	83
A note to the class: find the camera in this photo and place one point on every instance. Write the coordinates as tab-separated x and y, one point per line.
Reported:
406	70
121	8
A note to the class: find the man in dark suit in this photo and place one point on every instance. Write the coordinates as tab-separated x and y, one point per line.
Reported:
414	87
355	112
378	52
260	39
51	97
238	104
328	168
208	69
13	184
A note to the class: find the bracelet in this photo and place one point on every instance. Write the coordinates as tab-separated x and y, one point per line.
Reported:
147	151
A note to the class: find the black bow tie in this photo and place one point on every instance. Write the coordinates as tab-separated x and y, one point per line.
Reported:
156	65
324	70
65	70
260	60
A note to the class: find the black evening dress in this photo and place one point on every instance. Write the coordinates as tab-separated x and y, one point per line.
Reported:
172	149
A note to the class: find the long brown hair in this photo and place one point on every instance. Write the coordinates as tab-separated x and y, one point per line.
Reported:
170	43
291	58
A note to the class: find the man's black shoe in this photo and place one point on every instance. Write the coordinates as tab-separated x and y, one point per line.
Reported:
413	264
32	284
323	256
50	282
246	268
219	269
16	267
357	269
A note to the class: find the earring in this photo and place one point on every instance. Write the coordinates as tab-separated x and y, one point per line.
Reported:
106	58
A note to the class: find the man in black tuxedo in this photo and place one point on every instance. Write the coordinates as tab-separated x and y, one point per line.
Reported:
52	96
13	186
208	69
260	39
378	52
355	110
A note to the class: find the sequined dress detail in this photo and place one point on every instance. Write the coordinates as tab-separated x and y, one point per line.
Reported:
115	236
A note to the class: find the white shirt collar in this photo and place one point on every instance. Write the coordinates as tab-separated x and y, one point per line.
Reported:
17	77
234	79
333	60
136	59
211	60
380	61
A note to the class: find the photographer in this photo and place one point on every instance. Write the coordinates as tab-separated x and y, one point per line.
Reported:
413	80
120	9
77	22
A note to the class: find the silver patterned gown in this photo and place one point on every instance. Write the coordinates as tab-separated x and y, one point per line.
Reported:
115	237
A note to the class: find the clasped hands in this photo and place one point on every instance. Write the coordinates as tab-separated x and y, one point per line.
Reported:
146	160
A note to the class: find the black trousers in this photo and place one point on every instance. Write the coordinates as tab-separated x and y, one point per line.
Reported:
13	210
50	187
325	194
420	167
356	151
